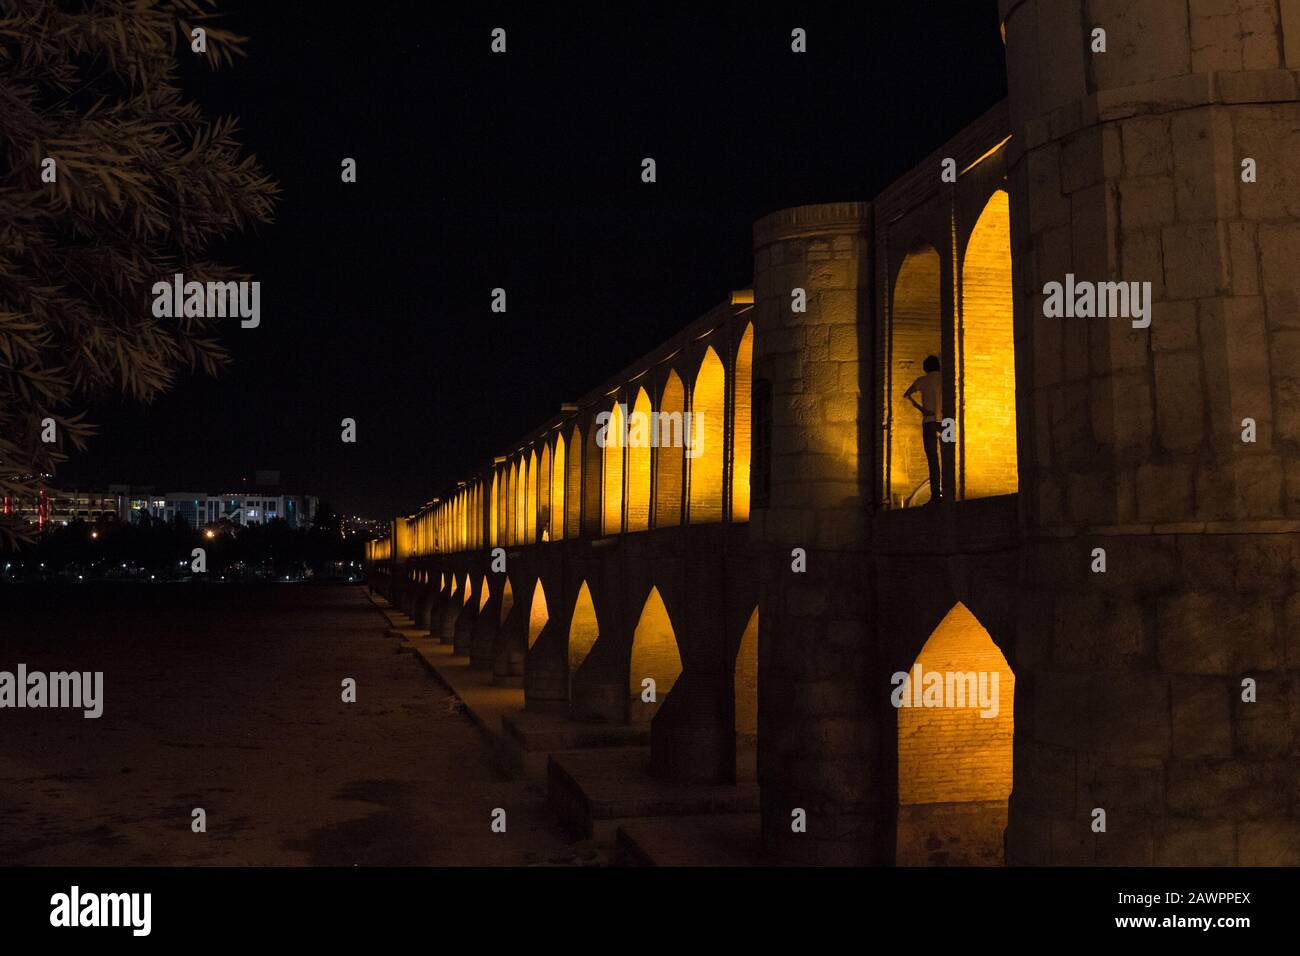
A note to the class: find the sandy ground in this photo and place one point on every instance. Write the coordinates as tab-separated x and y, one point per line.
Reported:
229	699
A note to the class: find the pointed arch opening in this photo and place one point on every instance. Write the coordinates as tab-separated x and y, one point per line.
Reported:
557	490
544	495
638	463
530	501
484	593
507	601
746	699
468	589
742	426
537	614
613	466
521	495
573	486
914	334
669	456
655	658
512	503
466	518
583	632
476	516
987	383
704	439
592	515
955	727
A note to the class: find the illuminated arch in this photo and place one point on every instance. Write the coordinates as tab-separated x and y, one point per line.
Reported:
742	426
530	499
543	529
512	503
946	817
468	590
473	518
484	592
654	656
442	581
745	682
668	457
638	463
507	601
583	629
498	511
988	360
573	486
455	585
557	490
613	477
476	515
914	334
708	416
464	518
521	497
537	614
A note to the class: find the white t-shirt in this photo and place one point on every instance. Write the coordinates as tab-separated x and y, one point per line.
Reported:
930	385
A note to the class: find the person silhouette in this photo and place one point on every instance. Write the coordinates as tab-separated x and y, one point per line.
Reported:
930	387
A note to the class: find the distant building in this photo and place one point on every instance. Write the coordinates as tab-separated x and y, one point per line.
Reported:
241	508
54	506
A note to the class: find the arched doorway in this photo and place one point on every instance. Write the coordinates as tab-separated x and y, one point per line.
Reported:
987	385
669	456
613	455
705	454
742	426
955	725
914	333
638	463
557	490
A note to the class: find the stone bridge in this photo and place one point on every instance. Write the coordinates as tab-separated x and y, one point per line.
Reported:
1108	545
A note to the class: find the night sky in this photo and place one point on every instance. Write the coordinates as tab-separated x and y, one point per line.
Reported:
522	171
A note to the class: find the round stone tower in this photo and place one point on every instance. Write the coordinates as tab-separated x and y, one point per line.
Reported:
808	525
1157	714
